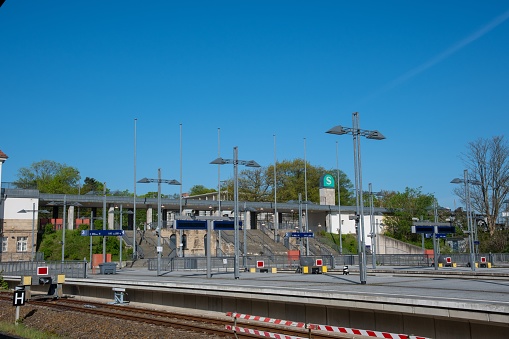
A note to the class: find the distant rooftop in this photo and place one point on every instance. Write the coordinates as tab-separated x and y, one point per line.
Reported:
3	155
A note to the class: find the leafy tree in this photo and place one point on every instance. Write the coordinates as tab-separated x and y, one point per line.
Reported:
404	206
92	185
487	162
49	177
200	189
291	177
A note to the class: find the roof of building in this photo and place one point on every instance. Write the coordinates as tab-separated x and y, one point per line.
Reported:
3	155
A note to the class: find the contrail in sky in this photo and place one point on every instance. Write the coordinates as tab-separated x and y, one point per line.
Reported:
442	56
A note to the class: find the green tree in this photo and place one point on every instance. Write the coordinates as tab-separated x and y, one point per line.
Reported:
291	177
402	207
49	177
92	185
200	189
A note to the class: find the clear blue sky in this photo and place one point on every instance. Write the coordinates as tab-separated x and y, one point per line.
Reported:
432	76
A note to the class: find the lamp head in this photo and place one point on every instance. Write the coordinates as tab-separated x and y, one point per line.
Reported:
375	135
338	130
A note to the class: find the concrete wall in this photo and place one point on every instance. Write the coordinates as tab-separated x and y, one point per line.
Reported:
387	245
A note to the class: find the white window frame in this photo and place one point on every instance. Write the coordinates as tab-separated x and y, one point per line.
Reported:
5	243
22	244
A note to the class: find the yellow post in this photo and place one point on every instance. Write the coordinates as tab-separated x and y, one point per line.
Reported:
324	269
305	269
453	264
252	270
274	270
489	265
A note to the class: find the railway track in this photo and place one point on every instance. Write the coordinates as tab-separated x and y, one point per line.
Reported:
208	326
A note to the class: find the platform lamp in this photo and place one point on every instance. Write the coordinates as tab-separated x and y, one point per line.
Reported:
356	133
236	162
33	210
159	214
468	207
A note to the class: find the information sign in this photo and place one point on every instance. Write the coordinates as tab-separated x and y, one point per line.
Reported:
104	233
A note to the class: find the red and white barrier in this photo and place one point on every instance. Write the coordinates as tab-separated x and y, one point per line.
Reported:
265	334
327	328
266	320
368	333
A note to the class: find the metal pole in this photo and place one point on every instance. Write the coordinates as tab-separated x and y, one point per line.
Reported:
90	235
181	232
135	253
276	216
159	222
372	224
209	249
236	207
63	228
469	221
219	187
300	223
33	229
339	204
306	196
357	156
120	227
104	223
244	229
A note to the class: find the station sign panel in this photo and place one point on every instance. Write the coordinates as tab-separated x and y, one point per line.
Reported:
225	225
104	233
300	234
191	224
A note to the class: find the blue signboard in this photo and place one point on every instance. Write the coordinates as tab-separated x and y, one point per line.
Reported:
191	224
225	225
430	229
300	235
104	233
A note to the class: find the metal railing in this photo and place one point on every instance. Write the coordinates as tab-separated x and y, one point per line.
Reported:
71	269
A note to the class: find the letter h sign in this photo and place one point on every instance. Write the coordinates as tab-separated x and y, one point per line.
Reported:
19	298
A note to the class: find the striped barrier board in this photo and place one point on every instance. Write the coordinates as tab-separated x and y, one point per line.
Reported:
265	334
368	333
327	328
266	320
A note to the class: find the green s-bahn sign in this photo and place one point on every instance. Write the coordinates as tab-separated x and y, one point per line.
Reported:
327	181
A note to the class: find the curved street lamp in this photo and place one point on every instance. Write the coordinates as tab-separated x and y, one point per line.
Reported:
159	181
356	133
236	162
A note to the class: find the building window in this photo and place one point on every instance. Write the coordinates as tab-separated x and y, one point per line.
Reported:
21	244
4	244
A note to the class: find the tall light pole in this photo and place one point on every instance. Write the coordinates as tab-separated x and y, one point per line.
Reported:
470	226
236	162
306	196
33	210
276	216
339	204
159	214
104	222
356	133
135	255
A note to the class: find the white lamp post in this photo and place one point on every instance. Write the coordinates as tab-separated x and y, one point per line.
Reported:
356	133
236	162
159	214
470	223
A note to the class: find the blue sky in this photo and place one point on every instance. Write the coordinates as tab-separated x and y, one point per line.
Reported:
432	76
